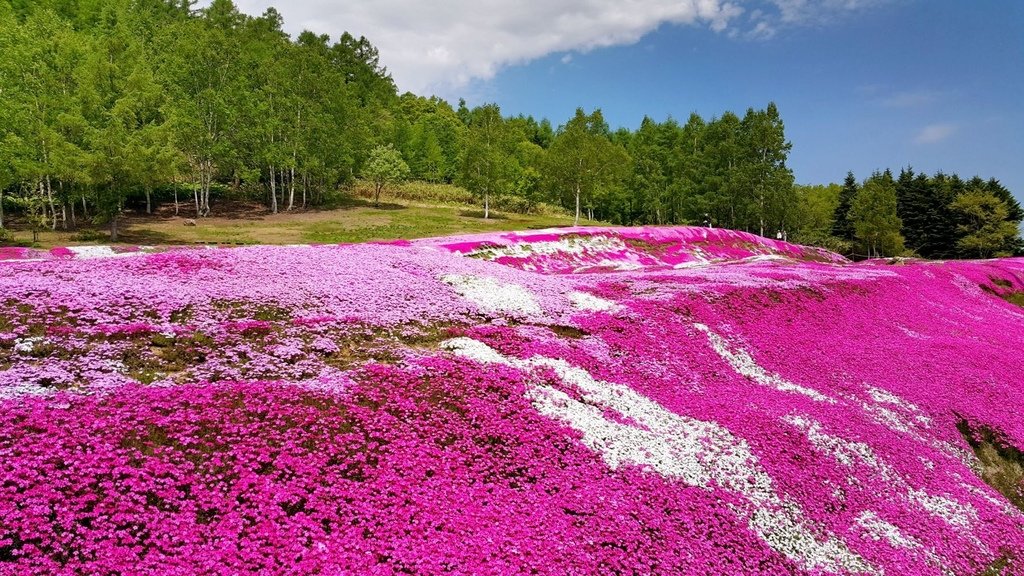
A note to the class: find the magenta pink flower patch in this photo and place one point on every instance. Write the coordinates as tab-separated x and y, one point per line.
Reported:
579	401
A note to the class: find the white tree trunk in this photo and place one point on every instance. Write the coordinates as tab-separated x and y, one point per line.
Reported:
291	186
49	198
206	179
284	187
273	191
576	220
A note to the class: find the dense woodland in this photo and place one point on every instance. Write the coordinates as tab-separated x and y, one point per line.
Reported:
108	104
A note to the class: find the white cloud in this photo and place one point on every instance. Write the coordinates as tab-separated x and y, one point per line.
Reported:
439	47
821	11
934	133
432	46
762	31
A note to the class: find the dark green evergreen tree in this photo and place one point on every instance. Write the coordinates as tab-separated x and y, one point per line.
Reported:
842	228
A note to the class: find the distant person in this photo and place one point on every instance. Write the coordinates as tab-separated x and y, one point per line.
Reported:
778	235
707	221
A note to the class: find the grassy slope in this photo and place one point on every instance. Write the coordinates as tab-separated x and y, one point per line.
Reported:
421	211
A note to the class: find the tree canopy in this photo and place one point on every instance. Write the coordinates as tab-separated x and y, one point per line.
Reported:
108	105
384	166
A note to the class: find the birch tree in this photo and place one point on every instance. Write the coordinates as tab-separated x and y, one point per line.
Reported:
582	159
487	155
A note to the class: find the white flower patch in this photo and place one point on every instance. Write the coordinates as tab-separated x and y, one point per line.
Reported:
491	296
848	452
26	345
589	302
89	252
690	264
966	286
606	264
475	350
845	451
902	417
878	529
766	258
696	452
957	514
888	418
885	397
777	524
620	444
21	390
577	246
742	363
906	418
20	381
895	420
85	252
1000	503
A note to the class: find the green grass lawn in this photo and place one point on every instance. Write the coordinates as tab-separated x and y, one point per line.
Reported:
354	220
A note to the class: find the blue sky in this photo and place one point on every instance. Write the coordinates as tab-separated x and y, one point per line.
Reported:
937	86
861	84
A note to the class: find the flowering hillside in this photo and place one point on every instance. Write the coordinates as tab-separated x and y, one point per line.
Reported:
577	401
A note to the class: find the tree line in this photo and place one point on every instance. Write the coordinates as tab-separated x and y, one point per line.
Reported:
103	101
940	216
147	101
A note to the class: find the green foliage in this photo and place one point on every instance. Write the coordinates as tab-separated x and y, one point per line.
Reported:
127	103
648	186
842	227
583	163
763	170
34	208
488	165
107	101
727	171
812	217
944	216
384	166
430	135
419	191
929	224
873	214
987	230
